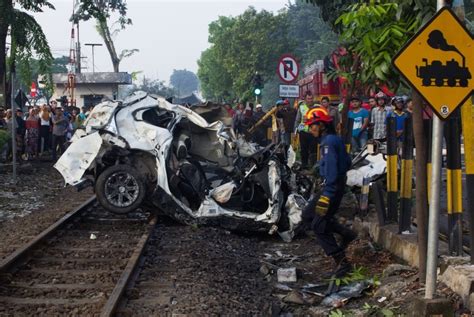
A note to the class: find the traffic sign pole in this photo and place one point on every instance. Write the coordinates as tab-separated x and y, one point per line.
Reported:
433	222
14	125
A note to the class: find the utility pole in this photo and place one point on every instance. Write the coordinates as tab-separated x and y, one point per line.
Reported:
78	50
93	45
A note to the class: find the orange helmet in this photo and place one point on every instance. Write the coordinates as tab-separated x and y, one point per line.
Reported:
320	117
318	111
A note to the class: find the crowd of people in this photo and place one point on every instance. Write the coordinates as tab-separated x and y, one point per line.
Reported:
45	130
42	130
369	116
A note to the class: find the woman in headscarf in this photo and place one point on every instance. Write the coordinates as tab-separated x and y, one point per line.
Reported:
32	135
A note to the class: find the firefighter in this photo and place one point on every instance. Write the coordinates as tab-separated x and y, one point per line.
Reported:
334	164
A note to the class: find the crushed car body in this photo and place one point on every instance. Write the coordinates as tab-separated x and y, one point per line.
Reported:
186	163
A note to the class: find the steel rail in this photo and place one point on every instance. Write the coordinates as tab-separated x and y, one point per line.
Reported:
115	297
22	252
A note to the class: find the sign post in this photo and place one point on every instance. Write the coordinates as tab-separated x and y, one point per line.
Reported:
14	124
438	62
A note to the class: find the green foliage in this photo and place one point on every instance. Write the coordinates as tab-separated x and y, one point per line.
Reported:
28	41
216	82
376	30
337	313
253	42
359	273
313	37
374	310
101	10
184	82
250	42
331	10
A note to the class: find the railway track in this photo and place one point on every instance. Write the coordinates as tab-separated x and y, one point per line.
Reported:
80	265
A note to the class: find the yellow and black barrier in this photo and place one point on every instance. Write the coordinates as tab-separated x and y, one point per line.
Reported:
467	112
406	183
392	170
348	135
454	183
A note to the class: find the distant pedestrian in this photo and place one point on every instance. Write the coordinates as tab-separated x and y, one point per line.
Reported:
361	123
32	125
45	128
377	121
80	119
308	143
20	133
409	109
332	111
230	111
9	127
70	128
60	125
288	116
259	136
239	120
400	115
248	111
3	124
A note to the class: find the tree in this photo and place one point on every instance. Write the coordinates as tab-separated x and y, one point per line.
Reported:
313	37
27	38
375	32
251	42
331	10
184	82
216	82
101	11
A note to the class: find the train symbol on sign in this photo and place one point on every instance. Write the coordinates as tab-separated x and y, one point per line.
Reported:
441	75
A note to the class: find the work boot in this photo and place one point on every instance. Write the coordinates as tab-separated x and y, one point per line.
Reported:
343	266
348	238
347	234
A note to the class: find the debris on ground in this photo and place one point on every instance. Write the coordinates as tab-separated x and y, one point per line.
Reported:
287	275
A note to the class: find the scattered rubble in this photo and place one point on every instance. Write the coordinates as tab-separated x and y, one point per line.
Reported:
286	275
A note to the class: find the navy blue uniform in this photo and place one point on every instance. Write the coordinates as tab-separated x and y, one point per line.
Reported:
334	164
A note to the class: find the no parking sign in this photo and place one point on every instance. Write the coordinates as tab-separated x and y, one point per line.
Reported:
288	68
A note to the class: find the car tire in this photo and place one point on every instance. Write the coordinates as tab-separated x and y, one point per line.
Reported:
120	189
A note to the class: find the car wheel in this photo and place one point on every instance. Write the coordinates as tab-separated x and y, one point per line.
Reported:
120	189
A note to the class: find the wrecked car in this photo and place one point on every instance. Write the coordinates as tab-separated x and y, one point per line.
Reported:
147	152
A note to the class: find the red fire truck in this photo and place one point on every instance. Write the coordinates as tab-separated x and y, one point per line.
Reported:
316	80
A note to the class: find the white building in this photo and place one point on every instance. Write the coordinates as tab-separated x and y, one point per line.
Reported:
91	88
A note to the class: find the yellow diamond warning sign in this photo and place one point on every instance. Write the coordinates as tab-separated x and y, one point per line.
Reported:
439	62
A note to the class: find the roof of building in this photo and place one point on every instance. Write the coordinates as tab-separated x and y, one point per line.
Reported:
121	78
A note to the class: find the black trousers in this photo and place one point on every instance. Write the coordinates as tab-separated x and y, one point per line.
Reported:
308	147
325	227
44	134
58	141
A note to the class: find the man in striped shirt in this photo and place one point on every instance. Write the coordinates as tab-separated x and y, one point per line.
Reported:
378	120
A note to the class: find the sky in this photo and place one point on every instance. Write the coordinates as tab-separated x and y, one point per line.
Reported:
170	34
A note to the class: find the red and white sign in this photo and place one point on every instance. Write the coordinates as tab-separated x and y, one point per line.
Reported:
288	68
33	90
